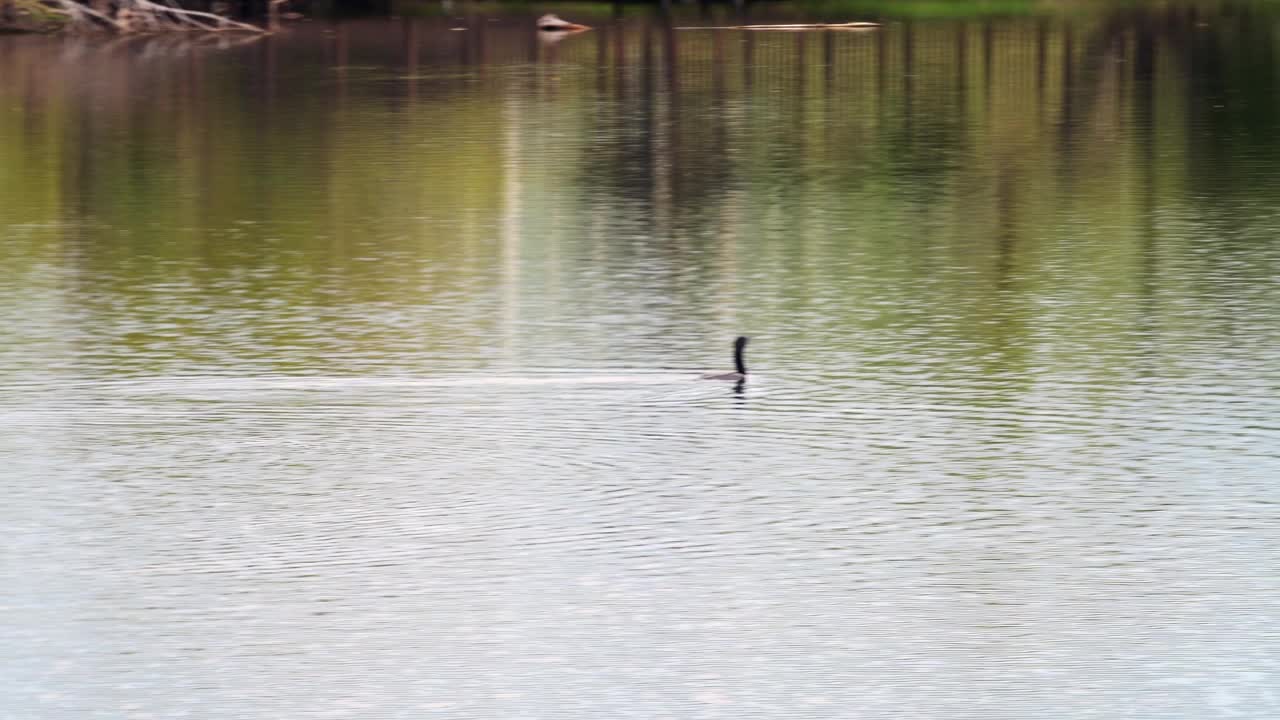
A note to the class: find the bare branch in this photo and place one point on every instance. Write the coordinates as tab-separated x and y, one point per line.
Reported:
142	16
193	17
79	12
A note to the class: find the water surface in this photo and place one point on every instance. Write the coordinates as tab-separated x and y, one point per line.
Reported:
350	372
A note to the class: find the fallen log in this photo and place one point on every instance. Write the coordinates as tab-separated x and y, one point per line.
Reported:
860	25
552	23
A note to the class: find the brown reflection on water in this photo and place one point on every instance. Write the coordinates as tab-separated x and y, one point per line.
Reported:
1079	72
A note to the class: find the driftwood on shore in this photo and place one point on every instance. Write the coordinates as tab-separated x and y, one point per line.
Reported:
553	23
795	26
118	16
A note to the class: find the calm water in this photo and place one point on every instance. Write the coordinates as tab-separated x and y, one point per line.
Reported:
350	372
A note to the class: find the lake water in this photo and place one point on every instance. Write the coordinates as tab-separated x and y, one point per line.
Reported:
352	372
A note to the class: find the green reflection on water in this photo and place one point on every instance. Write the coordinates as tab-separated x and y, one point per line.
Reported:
1012	196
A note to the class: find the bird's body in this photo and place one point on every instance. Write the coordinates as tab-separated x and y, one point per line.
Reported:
740	367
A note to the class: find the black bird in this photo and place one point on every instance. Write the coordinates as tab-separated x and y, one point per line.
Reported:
741	369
